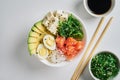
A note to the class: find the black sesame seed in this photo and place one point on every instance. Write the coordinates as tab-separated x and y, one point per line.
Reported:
53	20
48	23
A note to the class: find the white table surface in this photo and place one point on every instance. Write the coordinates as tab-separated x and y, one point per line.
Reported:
16	19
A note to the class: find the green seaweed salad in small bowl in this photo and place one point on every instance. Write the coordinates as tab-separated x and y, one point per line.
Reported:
104	65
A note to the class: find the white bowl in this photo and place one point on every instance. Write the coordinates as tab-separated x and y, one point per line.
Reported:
99	15
46	62
94	77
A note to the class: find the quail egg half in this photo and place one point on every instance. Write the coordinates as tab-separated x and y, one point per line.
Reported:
49	42
42	51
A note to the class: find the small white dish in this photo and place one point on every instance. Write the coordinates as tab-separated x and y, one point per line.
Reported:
85	3
102	52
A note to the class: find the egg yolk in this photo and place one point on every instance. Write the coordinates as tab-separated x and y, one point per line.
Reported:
43	51
50	41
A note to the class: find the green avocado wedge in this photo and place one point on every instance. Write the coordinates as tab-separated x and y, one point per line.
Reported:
35	37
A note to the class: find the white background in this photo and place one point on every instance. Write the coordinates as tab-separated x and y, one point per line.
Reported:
16	19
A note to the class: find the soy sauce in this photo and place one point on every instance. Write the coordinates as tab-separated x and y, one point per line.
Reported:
99	6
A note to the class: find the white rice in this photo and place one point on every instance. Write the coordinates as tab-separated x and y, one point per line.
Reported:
56	57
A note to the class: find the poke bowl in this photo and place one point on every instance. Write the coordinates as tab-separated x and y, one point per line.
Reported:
58	38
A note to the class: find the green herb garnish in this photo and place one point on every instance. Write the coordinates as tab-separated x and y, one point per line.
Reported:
71	28
105	66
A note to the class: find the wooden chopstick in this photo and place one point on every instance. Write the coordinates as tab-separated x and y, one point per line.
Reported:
88	48
94	48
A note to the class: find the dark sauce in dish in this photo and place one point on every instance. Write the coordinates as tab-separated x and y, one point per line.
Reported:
99	6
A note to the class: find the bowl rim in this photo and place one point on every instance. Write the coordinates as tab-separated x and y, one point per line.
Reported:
101	52
84	39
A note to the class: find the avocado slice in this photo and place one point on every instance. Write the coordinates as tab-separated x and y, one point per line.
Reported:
33	51
33	34
33	40
32	48
35	29
40	26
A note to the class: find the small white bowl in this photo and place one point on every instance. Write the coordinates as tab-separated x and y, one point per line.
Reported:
98	15
46	62
95	78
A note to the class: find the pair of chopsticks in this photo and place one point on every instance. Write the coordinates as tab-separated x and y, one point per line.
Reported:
82	64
